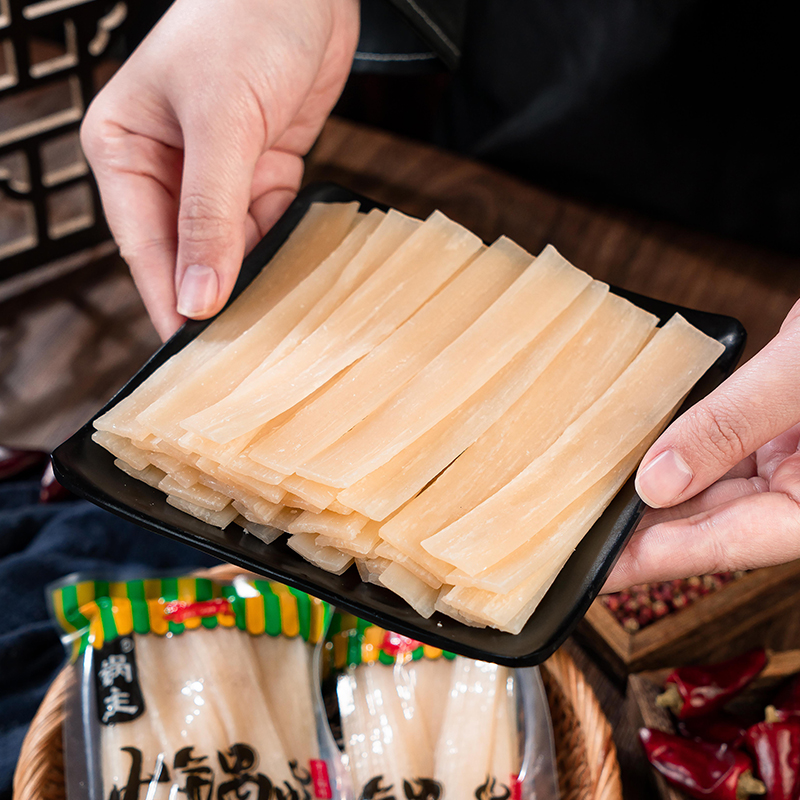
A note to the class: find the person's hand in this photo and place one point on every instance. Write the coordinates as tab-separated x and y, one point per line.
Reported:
197	142
723	480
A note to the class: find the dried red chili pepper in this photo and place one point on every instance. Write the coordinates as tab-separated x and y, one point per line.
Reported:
776	749
693	691
719	728
786	704
704	770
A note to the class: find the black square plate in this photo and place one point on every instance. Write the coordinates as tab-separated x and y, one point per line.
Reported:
88	470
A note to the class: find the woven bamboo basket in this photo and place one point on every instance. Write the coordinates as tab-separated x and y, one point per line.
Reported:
586	756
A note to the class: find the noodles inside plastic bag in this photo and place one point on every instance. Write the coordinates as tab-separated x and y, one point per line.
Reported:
420	723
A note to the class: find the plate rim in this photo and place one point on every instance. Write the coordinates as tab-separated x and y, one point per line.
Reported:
615	541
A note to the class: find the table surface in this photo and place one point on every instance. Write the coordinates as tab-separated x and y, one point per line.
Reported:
68	344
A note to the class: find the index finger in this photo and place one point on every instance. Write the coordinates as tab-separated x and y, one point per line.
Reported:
757	403
136	176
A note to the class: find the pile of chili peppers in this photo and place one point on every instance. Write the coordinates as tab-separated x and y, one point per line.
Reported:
717	756
641	605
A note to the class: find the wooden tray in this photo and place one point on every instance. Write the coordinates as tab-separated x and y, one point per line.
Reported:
645	686
762	609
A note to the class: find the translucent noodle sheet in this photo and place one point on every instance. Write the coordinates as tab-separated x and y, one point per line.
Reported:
418	722
315	237
194	688
384	301
610	429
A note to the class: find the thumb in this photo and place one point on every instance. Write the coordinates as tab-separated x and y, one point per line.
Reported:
757	403
215	195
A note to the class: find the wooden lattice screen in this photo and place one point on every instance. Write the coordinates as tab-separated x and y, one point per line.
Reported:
54	56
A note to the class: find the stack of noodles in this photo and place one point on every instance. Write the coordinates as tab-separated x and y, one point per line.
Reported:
215	691
238	684
444	726
451	416
392	736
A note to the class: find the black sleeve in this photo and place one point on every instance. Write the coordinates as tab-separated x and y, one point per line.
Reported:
440	22
410	35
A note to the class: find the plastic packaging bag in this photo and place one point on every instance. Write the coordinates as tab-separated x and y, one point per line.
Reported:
418	723
194	688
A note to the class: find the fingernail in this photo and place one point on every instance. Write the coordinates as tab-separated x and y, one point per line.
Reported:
198	291
663	479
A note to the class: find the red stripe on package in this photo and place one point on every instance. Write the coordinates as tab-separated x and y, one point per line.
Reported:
319	777
180	611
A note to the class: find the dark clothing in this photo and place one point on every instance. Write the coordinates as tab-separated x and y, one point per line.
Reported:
683	109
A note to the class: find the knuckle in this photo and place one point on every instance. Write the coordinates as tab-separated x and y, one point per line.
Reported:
716	545
722	431
91	136
202	220
143	250
103	142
